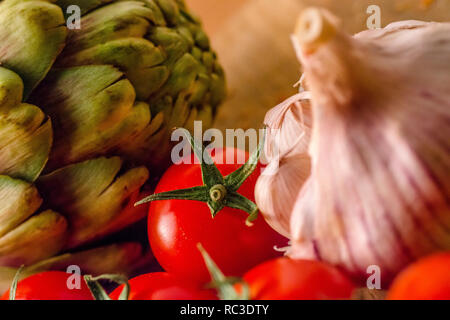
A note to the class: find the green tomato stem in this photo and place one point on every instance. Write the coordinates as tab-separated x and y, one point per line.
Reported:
217	191
99	293
224	285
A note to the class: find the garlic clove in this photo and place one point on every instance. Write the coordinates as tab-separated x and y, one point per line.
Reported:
277	188
287	139
288	127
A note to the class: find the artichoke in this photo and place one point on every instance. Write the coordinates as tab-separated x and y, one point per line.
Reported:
85	118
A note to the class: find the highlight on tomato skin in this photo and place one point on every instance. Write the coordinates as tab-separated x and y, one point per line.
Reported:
175	227
51	285
287	279
426	279
164	286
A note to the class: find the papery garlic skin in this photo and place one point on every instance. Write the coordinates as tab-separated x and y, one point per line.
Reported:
276	193
379	191
287	138
288	127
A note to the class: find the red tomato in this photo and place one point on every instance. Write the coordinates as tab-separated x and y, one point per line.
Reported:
163	286
427	279
175	227
50	285
286	279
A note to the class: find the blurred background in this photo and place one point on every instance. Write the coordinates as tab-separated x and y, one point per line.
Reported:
252	40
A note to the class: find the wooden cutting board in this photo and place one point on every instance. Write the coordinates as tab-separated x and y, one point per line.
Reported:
253	44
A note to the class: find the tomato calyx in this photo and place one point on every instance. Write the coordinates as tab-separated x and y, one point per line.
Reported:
99	293
225	286
217	191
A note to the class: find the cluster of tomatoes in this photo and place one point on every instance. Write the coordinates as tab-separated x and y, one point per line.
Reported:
176	227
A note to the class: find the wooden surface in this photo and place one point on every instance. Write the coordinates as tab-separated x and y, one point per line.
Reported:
215	13
253	44
252	40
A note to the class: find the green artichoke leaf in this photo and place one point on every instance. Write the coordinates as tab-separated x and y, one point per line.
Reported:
141	115
199	89
170	10
93	196
38	238
32	34
138	58
158	16
121	19
84	5
147	81
146	144
218	91
94	123
19	201
175	44
25	142
184	73
11	90
25	132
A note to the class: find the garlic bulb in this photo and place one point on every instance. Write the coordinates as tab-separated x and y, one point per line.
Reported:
379	190
287	137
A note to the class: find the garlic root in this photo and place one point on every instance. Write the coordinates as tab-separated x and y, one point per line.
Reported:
314	28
